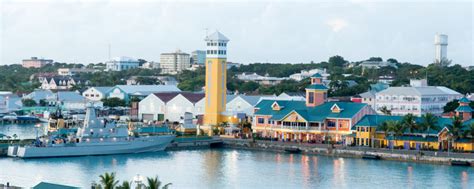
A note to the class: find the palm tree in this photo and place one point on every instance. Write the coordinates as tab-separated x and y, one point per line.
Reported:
430	121
470	130
455	129
125	185
392	128
409	123
155	183
108	180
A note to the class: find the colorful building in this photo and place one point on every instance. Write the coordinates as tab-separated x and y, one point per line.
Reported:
216	76
313	120
369	132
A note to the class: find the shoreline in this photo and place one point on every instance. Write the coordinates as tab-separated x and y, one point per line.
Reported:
382	154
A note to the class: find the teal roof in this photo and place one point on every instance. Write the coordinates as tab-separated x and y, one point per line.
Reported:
414	138
317	75
377	120
47	185
463	109
312	114
317	86
464	100
152	130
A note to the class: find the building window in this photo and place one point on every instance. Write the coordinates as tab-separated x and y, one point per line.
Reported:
331	124
311	97
260	120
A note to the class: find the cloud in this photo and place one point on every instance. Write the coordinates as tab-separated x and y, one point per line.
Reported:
337	24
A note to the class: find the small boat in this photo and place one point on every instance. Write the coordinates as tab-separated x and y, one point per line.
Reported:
369	156
460	163
27	118
293	150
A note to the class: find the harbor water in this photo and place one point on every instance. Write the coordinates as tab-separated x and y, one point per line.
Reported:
230	168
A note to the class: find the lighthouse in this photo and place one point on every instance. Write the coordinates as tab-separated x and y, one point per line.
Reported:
216	76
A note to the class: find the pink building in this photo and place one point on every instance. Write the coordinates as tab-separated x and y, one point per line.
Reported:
34	62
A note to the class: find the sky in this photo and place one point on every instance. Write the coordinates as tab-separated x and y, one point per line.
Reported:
80	31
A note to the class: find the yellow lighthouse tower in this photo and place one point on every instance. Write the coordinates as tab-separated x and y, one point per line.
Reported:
216	74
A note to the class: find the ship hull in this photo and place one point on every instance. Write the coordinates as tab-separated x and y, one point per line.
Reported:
138	145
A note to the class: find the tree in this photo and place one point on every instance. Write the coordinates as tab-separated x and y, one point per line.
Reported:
376	59
409	123
392	60
429	122
28	102
113	102
385	110
451	106
250	86
108	180
455	129
125	185
336	61
155	183
392	128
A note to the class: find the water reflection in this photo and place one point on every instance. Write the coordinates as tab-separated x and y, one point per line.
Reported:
237	169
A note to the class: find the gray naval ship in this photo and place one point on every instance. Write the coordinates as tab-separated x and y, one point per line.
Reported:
94	137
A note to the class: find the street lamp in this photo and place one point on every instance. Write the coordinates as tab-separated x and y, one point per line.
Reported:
138	179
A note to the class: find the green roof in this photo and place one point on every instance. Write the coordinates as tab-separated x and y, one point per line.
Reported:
317	86
377	120
463	109
464	100
414	138
312	114
317	75
47	185
152	130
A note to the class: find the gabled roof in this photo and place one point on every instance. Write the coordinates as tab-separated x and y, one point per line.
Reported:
252	100
318	113
47	185
103	90
130	89
427	90
192	97
317	75
69	96
217	36
463	109
464	100
317	86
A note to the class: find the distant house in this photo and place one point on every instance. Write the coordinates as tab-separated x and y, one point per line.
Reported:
47	185
377	64
242	104
262	80
96	93
308	73
170	106
74	71
39	94
126	92
68	100
121	63
35	62
61	83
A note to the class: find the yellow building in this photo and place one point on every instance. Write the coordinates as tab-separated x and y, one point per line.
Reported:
216	76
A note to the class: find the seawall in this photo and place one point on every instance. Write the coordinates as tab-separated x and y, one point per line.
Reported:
352	152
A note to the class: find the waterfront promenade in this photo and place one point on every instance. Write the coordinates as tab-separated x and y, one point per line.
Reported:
436	157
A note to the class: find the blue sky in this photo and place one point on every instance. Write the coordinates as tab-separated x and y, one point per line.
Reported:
260	31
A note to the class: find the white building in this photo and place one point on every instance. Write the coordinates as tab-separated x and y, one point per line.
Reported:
441	47
96	93
74	71
417	100
308	73
170	106
172	63
262	80
121	63
377	64
9	102
126	92
68	100
39	94
151	65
